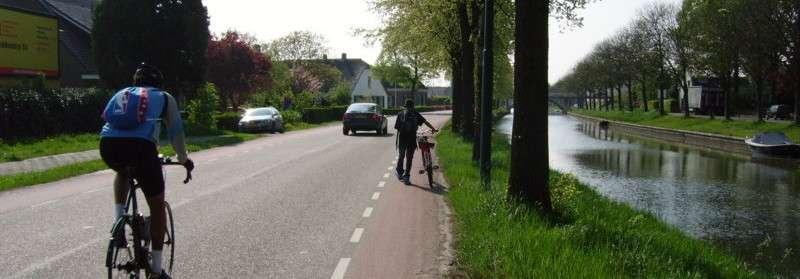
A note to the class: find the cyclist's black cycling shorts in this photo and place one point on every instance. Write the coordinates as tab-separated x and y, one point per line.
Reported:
142	155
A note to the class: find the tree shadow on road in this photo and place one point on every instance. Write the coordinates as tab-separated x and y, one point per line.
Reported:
437	188
372	135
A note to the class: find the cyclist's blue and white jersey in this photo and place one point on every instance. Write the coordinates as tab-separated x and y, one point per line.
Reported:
150	129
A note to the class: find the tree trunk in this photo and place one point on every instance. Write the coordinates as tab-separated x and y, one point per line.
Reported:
456	101
735	93
530	169
619	97
630	95
685	86
759	89
477	33
644	95
661	101
467	75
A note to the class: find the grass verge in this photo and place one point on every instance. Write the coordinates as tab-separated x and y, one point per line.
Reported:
736	128
594	237
32	178
30	148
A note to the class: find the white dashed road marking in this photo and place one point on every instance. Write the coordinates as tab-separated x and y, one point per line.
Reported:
386	175
381	184
376	196
357	235
367	212
341	268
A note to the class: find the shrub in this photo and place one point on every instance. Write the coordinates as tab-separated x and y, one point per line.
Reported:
201	109
37	113
319	115
291	117
227	120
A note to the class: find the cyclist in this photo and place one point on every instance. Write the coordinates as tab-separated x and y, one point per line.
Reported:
130	139
407	123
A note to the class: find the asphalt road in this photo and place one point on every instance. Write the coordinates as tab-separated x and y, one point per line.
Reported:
306	204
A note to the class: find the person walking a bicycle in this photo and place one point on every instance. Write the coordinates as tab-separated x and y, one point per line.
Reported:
406	124
129	140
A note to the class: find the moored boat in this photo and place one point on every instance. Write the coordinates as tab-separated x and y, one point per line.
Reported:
773	144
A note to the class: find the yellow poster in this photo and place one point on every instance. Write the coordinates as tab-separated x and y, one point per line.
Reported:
28	43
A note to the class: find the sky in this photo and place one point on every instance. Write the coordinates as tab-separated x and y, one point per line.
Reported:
337	21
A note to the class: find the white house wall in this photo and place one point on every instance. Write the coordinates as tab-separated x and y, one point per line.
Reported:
368	87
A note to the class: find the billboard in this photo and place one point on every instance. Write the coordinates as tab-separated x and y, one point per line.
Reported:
28	43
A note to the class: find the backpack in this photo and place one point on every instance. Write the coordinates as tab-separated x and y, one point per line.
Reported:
128	108
409	123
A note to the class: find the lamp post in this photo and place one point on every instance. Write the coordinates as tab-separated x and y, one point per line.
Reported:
487	85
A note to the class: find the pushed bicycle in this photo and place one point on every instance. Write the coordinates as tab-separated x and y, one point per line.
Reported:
425	146
128	248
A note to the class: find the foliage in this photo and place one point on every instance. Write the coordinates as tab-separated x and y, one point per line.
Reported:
41	112
291	117
589	236
298	46
304	80
340	95
237	68
201	109
174	39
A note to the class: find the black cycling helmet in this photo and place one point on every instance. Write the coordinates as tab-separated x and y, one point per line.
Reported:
147	75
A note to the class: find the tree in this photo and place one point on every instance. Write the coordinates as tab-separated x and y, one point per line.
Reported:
174	39
762	43
236	68
298	46
530	169
304	80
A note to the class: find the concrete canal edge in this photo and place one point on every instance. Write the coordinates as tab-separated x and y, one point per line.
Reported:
698	139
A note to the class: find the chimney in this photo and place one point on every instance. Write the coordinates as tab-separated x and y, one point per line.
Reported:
344	56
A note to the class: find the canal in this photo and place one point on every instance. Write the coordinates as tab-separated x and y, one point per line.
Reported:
751	209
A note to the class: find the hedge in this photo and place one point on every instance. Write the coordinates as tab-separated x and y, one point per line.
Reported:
39	113
228	120
326	114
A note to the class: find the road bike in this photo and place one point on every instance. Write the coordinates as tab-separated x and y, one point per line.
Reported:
129	256
425	146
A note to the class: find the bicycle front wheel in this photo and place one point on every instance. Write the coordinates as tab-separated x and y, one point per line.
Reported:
169	239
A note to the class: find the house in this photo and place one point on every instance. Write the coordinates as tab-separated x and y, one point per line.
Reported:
365	86
75	65
705	96
423	96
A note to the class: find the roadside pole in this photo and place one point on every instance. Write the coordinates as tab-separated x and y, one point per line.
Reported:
487	84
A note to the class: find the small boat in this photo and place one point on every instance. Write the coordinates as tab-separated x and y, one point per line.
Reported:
774	144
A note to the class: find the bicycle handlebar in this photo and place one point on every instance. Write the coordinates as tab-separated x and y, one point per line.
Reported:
169	162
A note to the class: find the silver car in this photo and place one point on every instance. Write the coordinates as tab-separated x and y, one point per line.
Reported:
261	119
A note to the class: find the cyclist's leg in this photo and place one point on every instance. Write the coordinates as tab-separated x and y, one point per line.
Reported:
401	149
409	159
151	179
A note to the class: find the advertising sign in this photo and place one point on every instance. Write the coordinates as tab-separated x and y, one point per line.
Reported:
28	43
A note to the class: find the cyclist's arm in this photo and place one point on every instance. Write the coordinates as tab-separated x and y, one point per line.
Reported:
174	124
425	121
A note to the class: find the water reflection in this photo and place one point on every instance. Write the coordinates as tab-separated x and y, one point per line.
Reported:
729	200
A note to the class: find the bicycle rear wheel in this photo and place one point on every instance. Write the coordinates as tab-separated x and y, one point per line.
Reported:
429	168
120	257
169	240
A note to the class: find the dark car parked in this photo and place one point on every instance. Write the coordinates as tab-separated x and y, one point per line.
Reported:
365	117
779	112
261	119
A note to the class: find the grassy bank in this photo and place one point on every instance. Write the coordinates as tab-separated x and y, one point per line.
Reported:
736	128
594	237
